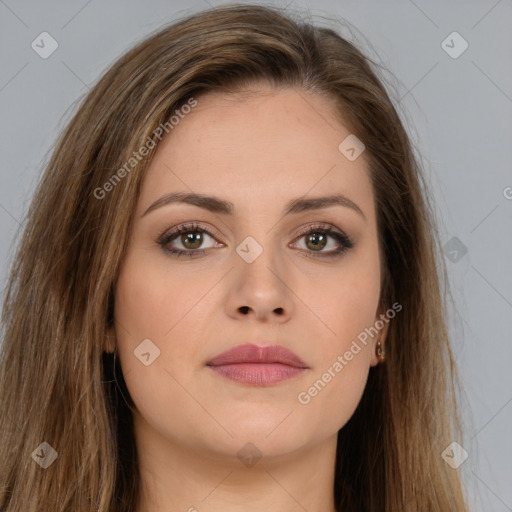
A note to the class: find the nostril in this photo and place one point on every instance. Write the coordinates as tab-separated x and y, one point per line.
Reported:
244	309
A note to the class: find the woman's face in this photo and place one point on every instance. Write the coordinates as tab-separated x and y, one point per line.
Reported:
258	274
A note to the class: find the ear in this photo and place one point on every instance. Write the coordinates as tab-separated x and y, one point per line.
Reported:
382	325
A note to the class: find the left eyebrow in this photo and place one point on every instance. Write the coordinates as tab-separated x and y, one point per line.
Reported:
222	206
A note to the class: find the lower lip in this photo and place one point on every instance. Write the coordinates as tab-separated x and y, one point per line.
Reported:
258	374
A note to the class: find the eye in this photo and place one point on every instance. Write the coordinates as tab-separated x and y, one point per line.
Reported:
316	238
190	236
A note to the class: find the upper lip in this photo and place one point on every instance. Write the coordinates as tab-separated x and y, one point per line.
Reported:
250	353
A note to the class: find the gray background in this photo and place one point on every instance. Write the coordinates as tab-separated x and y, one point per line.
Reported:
458	111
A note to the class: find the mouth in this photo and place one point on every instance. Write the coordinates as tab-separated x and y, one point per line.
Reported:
258	366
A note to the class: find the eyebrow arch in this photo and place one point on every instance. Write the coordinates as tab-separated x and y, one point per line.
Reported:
218	205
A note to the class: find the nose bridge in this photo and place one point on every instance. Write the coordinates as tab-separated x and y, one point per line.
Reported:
260	241
260	277
260	259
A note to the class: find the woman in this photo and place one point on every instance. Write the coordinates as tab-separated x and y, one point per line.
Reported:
226	296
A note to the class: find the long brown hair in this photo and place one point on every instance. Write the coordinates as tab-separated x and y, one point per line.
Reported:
56	383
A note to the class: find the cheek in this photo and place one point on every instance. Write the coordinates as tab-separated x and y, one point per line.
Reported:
347	307
336	385
332	395
152	305
150	300
346	302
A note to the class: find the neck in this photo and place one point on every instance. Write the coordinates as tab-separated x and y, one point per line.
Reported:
193	479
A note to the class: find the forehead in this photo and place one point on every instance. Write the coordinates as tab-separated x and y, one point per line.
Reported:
258	147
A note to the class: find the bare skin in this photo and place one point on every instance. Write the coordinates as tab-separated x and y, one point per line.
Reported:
259	152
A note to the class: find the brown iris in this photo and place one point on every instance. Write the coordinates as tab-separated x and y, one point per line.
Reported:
319	240
189	237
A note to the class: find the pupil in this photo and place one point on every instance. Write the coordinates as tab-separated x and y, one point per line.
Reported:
318	238
189	238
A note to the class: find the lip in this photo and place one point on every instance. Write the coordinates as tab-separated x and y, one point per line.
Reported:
258	366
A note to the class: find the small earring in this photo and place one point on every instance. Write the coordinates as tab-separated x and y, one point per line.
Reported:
381	352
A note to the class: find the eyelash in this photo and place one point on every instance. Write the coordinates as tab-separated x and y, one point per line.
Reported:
343	240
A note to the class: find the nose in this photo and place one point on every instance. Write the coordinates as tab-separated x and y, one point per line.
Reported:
261	290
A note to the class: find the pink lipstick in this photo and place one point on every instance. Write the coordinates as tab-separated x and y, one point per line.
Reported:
258	366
